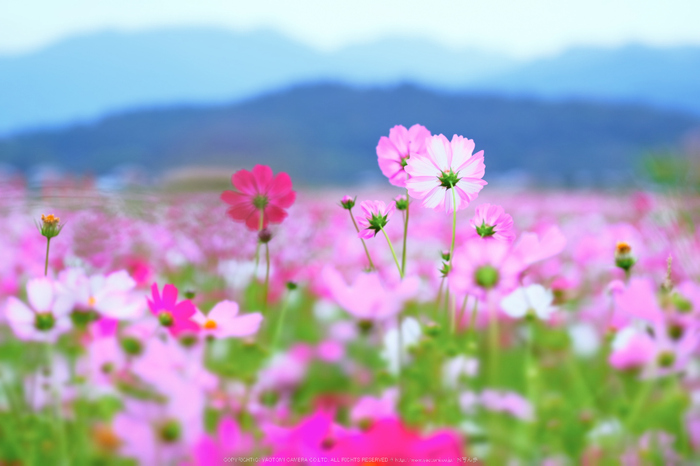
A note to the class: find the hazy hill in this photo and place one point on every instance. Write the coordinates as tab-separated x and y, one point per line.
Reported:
88	76
328	133
668	77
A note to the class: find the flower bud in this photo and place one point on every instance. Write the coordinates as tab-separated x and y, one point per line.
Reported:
623	256
347	202
50	226
445	255
401	202
264	235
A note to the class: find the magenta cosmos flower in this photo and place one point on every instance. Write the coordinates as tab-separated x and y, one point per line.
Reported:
259	192
375	216
446	166
176	317
394	151
491	221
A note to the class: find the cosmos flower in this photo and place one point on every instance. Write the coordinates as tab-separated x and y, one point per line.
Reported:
533	299
447	165
492	222
176	317
259	192
375	216
393	152
223	321
48	316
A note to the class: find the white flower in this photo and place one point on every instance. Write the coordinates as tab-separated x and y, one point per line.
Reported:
410	333
531	299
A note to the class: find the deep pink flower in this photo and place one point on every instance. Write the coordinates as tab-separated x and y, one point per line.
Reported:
375	216
176	317
446	166
390	438
492	222
258	191
394	151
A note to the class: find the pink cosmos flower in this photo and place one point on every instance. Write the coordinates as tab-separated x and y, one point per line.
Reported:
483	266
446	166
176	317
375	216
368	298
492	222
49	316
394	151
257	192
223	321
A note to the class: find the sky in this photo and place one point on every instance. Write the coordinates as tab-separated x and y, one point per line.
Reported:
520	29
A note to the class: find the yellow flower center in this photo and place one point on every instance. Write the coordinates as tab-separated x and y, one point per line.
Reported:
92	301
209	324
623	248
50	219
106	438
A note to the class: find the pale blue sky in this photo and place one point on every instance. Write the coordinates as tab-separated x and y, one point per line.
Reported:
518	28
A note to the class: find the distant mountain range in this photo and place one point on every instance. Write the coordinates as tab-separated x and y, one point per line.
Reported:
87	77
327	134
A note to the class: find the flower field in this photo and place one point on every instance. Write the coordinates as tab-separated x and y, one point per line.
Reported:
433	320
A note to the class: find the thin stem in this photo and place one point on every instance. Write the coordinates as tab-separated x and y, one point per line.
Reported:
454	223
46	263
531	376
267	276
393	253
439	298
460	315
280	321
257	247
471	345
371	264
494	340
405	235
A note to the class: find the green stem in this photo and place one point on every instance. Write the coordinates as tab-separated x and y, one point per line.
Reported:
405	235
267	276
280	321
439	299
393	253
257	247
454	223
494	341
46	263
640	400
471	345
364	245
531	375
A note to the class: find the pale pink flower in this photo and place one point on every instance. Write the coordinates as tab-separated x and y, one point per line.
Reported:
223	321
393	152
482	266
368	298
492	222
108	295
371	408
375	216
48	317
446	166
